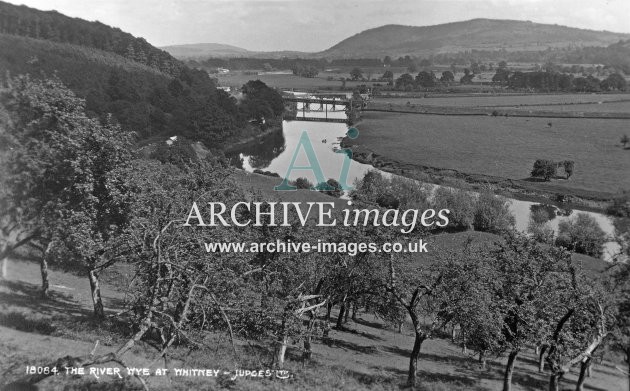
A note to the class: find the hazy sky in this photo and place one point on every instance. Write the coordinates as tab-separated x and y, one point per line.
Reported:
313	25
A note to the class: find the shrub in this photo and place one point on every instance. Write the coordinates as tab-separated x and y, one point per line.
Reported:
544	168
568	166
582	235
303	183
336	188
460	203
388	201
620	206
492	214
538	227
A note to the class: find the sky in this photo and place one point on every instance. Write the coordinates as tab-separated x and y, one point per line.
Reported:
314	25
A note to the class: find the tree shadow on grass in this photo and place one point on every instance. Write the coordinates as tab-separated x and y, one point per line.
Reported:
534	179
459	380
449	359
397	350
374	325
337	343
25	295
375	380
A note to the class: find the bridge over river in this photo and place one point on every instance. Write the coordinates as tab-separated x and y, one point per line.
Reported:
320	104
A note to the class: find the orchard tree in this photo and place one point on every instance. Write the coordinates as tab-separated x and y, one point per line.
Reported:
588	320
64	173
531	280
418	291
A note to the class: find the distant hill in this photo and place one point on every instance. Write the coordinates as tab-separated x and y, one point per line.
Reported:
200	50
53	26
218	50
476	34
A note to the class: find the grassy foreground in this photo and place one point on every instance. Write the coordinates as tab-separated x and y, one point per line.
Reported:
368	355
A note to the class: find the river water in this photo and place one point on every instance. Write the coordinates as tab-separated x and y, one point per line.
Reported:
274	153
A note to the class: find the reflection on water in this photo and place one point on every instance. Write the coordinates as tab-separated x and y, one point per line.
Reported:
274	153
259	153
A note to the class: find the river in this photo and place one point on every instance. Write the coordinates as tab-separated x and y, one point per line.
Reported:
274	152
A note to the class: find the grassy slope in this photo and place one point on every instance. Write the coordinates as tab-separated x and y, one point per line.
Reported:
507	100
369	355
503	147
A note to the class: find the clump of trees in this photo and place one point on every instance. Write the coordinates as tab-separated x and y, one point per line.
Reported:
550	80
548	169
582	234
261	101
299	69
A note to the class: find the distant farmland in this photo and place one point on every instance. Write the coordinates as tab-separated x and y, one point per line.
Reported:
237	79
503	146
506	100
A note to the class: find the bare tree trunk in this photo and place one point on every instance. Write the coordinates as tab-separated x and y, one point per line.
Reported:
345	316
541	358
354	311
482	359
308	353
554	381
584	365
453	334
400	327
99	310
413	360
282	348
43	268
4	273
342	311
329	308
509	370
464	347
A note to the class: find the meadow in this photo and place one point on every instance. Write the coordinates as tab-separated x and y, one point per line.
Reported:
290	81
503	146
509	100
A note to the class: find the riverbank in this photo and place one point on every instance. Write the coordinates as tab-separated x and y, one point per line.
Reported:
517	189
253	139
499	152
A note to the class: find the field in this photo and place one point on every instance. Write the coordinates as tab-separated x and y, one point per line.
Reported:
604	107
503	146
511	100
290	81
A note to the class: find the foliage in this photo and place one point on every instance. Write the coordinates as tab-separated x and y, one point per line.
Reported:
140	98
260	101
460	203
582	234
544	168
492	213
304	70
620	205
336	191
356	74
66	169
